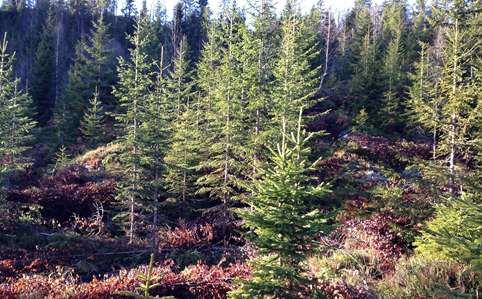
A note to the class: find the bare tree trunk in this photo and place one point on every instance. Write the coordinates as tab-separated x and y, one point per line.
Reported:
327	50
156	194
227	146
157	174
452	155
114	7
434	136
225	205
226	176
57	57
30	50
258	112
453	118
175	32
132	199
155	216
134	152
131	220
184	187
255	149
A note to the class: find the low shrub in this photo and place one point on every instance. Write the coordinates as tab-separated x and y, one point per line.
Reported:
455	232
346	273
394	153
196	281
100	158
186	236
70	191
379	232
422	277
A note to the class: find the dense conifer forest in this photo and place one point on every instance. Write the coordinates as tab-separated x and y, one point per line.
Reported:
228	152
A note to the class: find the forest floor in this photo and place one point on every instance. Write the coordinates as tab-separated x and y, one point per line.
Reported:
67	245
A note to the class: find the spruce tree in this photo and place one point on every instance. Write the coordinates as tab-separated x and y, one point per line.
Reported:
458	95
450	104
253	92
183	155
226	163
15	122
362	55
154	44
206	81
207	76
258	49
295	82
285	221
454	233
132	92
312	24
92	126
157	131
43	83
159	25
392	102
342	65
359	22
460	90
319	31
129	10
69	107
93	68
419	31
62	159
180	85
422	102
102	60
192	23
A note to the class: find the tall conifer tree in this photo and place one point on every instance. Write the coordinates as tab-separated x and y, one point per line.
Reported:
43	83
180	85
295	81
460	108
455	103
92	126
15	122
257	53
392	102
135	84
183	155
93	68
423	104
157	133
362	55
285	221
225	165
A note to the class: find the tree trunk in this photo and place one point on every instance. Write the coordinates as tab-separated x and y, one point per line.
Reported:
452	155
131	220
453	118
327	51
255	147
184	186
226	176
57	57
134	151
